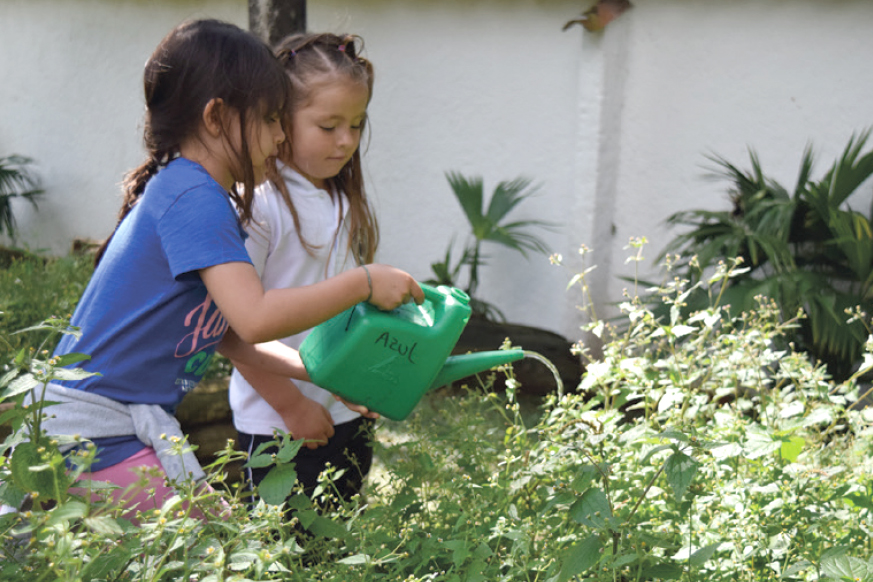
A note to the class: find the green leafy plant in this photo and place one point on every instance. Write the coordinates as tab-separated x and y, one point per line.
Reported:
16	181
698	446
807	248
36	466
487	225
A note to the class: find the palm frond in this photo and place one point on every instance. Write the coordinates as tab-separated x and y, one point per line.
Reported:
488	226
803	176
507	195
852	247
833	339
469	193
16	181
850	170
807	249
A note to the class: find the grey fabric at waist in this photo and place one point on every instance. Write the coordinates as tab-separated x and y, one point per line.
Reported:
93	416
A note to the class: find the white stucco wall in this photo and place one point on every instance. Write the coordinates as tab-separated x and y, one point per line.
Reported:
71	98
709	76
614	126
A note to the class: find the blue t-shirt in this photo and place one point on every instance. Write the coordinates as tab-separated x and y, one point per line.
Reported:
146	318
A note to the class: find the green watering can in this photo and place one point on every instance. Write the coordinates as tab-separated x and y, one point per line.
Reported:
388	360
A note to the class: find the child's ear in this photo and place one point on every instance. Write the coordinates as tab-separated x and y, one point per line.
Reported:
212	117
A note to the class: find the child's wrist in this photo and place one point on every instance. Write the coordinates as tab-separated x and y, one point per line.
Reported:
369	283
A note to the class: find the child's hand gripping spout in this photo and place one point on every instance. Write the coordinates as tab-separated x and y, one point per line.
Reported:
359	408
391	287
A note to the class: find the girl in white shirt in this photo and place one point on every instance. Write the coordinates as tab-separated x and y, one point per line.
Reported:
312	220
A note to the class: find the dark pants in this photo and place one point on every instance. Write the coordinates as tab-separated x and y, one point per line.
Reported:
349	448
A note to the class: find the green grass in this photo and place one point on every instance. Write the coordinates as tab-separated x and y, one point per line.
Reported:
33	288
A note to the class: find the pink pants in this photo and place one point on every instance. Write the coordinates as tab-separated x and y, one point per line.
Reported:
142	485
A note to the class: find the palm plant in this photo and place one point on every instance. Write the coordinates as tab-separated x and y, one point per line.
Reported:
488	225
16	181
808	249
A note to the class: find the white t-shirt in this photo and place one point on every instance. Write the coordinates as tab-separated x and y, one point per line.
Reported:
282	261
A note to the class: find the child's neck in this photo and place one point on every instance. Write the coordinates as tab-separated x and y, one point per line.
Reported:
202	153
320	183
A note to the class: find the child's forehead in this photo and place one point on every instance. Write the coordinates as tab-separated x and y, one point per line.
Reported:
339	93
325	81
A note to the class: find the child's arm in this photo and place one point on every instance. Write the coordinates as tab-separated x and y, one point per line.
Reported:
259	316
273	357
303	418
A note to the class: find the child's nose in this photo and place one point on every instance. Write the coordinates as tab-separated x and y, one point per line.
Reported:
346	137
279	135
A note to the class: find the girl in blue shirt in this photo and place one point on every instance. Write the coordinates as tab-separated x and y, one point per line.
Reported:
174	282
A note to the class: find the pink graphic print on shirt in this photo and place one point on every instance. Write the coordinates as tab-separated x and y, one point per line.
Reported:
209	327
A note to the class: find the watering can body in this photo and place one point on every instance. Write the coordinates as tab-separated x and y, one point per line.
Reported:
388	360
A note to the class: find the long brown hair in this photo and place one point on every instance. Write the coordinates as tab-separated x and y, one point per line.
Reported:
198	61
307	57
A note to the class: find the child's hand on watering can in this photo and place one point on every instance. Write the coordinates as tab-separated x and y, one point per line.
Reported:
362	410
392	287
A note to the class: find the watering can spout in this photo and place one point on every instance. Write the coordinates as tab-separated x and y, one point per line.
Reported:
461	366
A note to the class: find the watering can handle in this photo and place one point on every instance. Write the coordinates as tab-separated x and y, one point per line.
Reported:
435	295
444	300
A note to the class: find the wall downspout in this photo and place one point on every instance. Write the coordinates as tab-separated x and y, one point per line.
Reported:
602	76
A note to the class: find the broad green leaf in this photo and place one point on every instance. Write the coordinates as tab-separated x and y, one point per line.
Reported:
859	500
791	448
583	478
591	509
278	483
674	435
67	374
680	470
665	571
299	502
460	551
112	560
8	377
103	524
623	560
257	461
727	451
356	560
652	451
702	555
793	409
847	568
760	443
327	528
70	359
580	557
289	450
682	330
31	473
20	385
306	517
242	559
68	512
